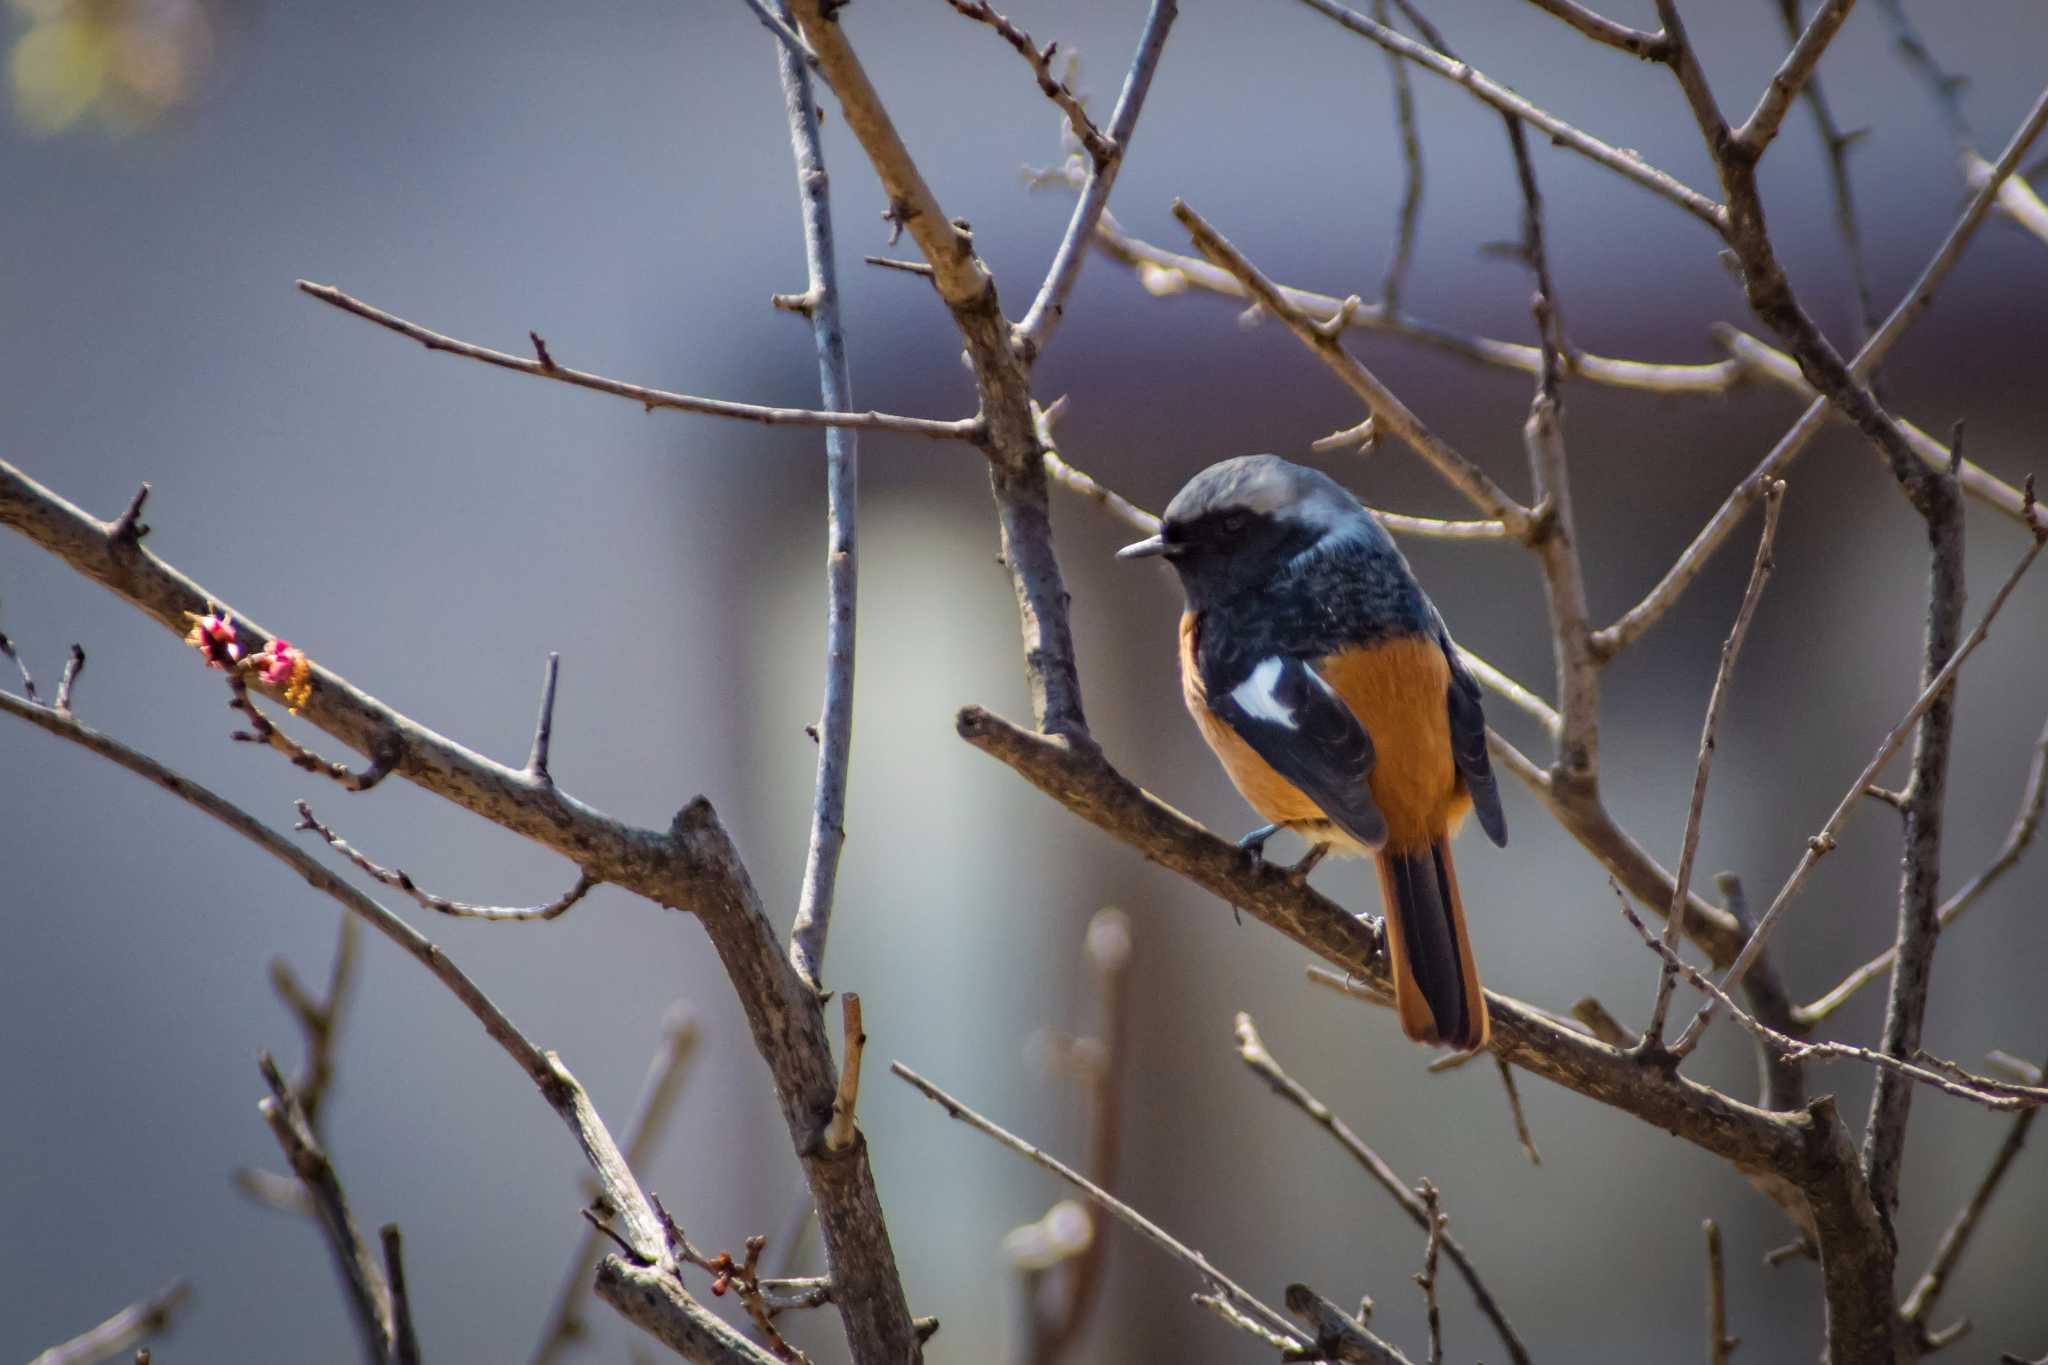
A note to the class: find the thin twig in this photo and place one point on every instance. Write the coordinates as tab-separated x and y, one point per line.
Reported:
1166	273
1943	1075
1624	163
73	666
544	723
1396	277
383	762
1432	1207
1322	337
1631	625
842	525
967	429
1731	648
405	1343
1719	1343
1955	1239
1514	1094
397	879
1821	844
1791	77
666	1072
1031	336
2033	797
1251	1049
369	1293
1101	149
120	1333
1836	145
1212	1279
1635	42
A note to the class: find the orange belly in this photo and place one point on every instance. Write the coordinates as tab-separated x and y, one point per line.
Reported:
1398	690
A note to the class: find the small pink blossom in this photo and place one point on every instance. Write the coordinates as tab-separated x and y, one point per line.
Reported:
213	635
285	665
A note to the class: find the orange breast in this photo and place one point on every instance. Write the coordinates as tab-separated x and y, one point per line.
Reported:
1397	691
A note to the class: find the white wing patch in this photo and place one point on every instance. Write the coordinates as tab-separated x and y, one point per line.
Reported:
1255	694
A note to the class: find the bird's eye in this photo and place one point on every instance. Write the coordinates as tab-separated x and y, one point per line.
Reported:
1235	522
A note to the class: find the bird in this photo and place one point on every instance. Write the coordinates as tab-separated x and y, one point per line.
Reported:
1323	677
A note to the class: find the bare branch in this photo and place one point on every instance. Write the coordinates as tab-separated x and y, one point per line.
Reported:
73	666
120	1333
1719	1343
397	879
1790	78
1514	1094
1623	163
843	1131
776	21
1917	300
1251	1049
1835	144
1821	844
1396	277
1427	1279
1339	1336
666	1073
544	724
1212	1279
1759	575
655	1301
1043	317
2025	825
967	429
1955	1239
369	1294
385	754
1388	410
1651	47
405	1344
1101	149
842	525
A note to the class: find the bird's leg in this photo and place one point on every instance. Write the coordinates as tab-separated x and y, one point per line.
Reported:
1255	842
1315	855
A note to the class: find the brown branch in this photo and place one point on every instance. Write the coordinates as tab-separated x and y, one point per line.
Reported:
1001	376
1731	648
843	1131
1823	843
1433	1210
1034	333
1514	1094
1251	1049
1835	144
1639	618
1651	47
120	1333
1166	273
384	754
1063	1283
1321	336
1396	277
1339	1336
666	1073
1622	162
397	879
1101	149
1719	1343
1790	78
1214	1280
2025	825
405	1344
966	429
692	865
369	1293
1765	361
1955	1239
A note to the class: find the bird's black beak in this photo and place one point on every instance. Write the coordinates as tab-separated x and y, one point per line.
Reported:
1146	549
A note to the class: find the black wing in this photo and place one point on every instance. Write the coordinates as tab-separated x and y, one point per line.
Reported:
1292	719
1468	745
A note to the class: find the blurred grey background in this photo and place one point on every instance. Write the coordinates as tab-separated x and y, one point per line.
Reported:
617	177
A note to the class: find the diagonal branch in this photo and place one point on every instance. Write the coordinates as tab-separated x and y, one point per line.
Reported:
1791	77
1049	307
1100	148
1252	1050
967	429
1823	843
121	1333
1212	1279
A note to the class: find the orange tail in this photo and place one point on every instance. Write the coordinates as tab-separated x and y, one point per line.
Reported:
1436	984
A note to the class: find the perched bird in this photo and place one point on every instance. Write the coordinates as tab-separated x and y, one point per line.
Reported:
1322	676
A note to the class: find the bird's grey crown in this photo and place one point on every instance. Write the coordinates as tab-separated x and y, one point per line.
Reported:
1264	484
